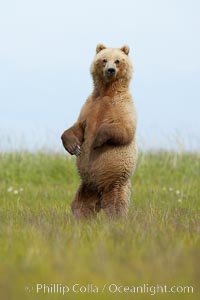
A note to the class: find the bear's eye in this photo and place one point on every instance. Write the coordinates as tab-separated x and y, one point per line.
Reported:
117	62
104	61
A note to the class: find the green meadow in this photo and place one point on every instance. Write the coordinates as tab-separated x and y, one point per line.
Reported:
46	254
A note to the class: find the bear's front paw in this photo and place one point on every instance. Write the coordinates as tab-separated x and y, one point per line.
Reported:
71	145
74	150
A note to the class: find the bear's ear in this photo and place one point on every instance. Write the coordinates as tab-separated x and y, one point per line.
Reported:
100	47
125	49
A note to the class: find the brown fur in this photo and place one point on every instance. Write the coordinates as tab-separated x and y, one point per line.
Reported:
105	132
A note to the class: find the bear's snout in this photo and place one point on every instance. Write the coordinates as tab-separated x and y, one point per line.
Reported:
110	72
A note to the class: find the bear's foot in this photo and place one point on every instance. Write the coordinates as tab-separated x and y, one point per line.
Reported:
115	202
86	203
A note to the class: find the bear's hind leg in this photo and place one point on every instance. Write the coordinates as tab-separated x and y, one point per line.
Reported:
115	201
86	203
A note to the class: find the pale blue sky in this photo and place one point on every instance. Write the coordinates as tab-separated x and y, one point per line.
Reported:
46	48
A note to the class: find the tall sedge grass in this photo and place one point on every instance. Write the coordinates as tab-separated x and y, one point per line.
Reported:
40	242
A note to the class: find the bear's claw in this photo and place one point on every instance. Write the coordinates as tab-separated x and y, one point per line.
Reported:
77	150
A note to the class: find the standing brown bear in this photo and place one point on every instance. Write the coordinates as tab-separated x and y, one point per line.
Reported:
103	138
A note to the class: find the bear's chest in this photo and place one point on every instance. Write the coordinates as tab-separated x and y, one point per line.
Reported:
99	111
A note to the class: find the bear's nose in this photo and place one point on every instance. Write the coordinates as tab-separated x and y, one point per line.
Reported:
110	71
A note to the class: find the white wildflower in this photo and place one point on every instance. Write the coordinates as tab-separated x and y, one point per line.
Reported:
170	189
10	189
15	192
180	200
177	192
21	189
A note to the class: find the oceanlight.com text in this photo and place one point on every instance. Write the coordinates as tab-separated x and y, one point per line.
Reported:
111	288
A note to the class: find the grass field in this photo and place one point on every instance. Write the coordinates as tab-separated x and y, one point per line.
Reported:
41	243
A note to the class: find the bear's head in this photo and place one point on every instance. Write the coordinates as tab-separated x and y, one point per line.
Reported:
111	65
